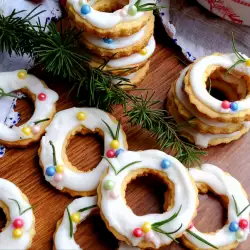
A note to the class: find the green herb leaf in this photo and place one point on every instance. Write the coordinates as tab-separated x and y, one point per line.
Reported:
168	233
160	223
111	165
19	208
117	131
236	206
110	130
86	208
2	93
40	121
54	153
243	210
70	224
130	164
26	210
201	239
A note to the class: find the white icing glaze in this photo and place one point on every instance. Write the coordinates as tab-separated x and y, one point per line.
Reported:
11	82
9	191
199	88
134	58
63	124
222	184
118	43
62	239
104	20
121	217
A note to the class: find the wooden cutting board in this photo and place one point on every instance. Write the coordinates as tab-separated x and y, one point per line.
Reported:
145	194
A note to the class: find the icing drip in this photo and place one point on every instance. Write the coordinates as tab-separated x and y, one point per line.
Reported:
222	184
134	58
118	43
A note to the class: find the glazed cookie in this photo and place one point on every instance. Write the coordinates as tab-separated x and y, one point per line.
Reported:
236	230
203	140
151	230
197	119
108	18
20	227
45	107
135	78
134	61
222	111
58	171
122	46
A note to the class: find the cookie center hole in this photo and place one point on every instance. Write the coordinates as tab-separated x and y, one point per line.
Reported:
110	6
25	108
145	194
3	220
93	234
225	86
87	157
211	214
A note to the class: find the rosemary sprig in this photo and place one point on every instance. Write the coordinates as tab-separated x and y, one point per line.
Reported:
86	208
116	135
54	153
158	230
40	121
19	207
147	6
201	239
112	166
237	208
70	224
2	93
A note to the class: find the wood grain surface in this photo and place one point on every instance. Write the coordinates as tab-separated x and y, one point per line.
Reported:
144	195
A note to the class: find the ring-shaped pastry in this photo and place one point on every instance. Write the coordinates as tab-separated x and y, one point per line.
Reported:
195	87
58	171
98	18
151	230
236	230
20	227
75	214
45	107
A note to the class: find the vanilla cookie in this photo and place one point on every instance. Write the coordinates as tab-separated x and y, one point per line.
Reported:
58	171
108	18
151	230
122	46
44	100
222	111
20	227
236	229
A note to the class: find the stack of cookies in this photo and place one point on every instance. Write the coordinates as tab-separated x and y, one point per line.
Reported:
211	101
117	32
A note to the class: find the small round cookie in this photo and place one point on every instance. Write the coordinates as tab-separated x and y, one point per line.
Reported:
45	107
135	78
200	139
151	230
74	215
108	18
195	87
134	61
187	111
58	171
119	47
236	230
20	227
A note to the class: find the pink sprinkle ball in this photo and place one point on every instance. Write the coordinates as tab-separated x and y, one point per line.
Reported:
111	153
225	104
149	236
58	177
42	97
123	13
137	232
18	223
36	130
113	195
191	226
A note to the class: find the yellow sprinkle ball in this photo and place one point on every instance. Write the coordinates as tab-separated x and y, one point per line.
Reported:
59	169
22	74
144	52
248	62
17	233
27	131
146	227
115	144
81	116
76	217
